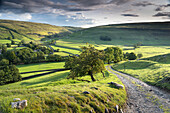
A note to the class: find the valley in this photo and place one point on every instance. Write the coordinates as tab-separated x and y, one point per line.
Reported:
40	50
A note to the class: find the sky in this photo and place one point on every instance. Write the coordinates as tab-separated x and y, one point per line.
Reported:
85	13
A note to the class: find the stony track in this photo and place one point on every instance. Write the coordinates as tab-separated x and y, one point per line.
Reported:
143	98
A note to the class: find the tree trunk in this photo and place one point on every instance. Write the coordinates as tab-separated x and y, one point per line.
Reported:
103	74
92	77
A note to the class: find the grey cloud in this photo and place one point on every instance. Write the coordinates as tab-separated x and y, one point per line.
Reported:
41	6
130	15
89	3
162	14
143	4
162	7
36	6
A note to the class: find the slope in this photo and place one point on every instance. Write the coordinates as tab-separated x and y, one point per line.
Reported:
10	29
156	33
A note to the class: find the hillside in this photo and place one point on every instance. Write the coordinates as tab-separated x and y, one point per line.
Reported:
156	33
20	30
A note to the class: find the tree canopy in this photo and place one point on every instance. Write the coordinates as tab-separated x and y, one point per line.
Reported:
88	63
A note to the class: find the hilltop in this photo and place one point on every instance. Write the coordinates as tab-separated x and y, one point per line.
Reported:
151	33
20	30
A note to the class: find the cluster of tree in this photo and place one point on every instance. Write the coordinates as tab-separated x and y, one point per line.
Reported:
114	54
132	56
3	48
27	55
137	45
105	38
8	73
91	61
37	47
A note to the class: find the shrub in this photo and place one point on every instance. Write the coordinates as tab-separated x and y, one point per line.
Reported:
8	73
105	38
139	55
132	56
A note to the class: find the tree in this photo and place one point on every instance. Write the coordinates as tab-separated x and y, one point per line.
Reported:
113	54
140	55
9	74
9	38
4	62
88	63
4	49
23	42
19	44
8	45
12	42
11	56
131	56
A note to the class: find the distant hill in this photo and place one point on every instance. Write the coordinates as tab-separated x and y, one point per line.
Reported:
30	31
155	33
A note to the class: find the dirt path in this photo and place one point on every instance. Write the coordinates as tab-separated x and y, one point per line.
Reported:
143	98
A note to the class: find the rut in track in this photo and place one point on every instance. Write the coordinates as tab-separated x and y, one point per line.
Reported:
143	98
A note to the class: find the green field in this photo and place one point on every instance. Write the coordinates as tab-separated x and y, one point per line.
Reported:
154	71
55	93
40	66
125	34
4	41
20	30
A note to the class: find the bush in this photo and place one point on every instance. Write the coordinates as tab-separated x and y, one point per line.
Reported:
8	45
140	55
8	73
105	38
132	56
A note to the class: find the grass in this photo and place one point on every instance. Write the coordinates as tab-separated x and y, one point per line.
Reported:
54	93
5	41
29	31
148	51
66	50
124	34
151	72
40	66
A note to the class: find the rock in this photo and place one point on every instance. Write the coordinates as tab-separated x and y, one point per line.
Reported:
86	92
117	85
19	105
106	110
121	111
16	99
91	111
14	104
117	108
150	90
95	88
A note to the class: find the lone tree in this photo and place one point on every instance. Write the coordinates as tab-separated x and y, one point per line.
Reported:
88	63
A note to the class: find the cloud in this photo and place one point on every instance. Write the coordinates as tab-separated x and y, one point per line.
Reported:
37	6
89	3
130	15
143	4
47	6
162	14
162	7
20	17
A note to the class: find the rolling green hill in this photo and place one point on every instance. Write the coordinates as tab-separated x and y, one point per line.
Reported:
156	33
20	30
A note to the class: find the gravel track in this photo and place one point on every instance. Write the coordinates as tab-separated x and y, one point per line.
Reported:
143	98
